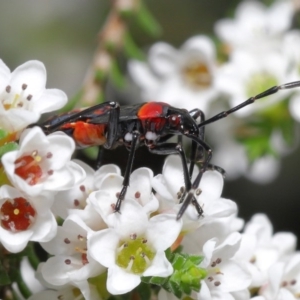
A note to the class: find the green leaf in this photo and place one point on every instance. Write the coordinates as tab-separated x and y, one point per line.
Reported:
3	134
116	75
4	278
178	261
186	277
173	288
256	132
144	291
11	146
147	22
195	259
131	49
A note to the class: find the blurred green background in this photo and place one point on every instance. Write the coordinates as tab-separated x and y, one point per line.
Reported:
63	35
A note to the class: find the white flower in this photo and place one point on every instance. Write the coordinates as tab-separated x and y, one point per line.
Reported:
182	78
168	184
71	262
230	155
225	275
256	27
24	219
28	275
219	228
84	290
258	73
261	249
42	164
264	169
109	182
23	96
133	246
284	280
73	200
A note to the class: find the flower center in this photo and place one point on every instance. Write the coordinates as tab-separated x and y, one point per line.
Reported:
215	274
291	285
15	100
260	82
80	247
197	75
134	255
17	214
28	167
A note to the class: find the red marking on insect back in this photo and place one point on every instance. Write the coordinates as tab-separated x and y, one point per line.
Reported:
86	134
16	214
28	168
152	110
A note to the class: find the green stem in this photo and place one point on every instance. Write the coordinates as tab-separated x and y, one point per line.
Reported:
32	257
25	291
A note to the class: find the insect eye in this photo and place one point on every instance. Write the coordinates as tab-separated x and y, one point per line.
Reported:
174	120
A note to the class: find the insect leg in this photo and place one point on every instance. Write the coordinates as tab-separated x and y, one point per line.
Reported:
268	92
173	148
134	143
113	120
194	189
197	152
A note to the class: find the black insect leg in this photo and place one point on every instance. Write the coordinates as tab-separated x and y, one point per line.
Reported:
251	100
190	198
113	120
134	144
197	153
173	148
203	145
99	158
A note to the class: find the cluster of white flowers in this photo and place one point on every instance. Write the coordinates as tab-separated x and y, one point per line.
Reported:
97	252
261	51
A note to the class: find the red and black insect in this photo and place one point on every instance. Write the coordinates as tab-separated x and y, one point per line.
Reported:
151	124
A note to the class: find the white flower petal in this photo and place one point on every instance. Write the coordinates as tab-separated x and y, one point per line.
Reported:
18	119
143	77
44	228
159	185
32	73
294	107
51	99
120	282
229	247
158	226
140	181
4	75
160	266
212	183
208	249
285	242
102	246
14	241
162	59
202	45
235	277
204	293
